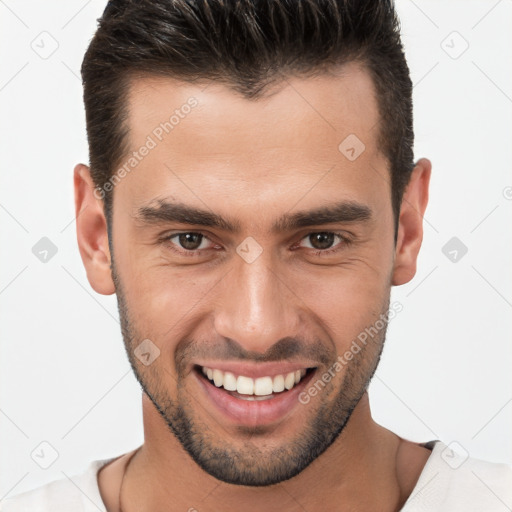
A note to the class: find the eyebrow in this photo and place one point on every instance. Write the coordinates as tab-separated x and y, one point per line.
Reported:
166	212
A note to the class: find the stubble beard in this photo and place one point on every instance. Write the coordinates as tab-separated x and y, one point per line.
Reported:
254	462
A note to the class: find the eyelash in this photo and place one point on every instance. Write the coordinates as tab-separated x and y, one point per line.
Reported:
344	242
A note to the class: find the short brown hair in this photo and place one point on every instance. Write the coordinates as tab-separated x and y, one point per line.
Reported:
246	44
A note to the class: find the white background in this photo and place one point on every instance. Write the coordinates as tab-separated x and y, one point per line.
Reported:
445	373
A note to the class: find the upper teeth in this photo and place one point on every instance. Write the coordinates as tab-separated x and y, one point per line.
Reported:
248	386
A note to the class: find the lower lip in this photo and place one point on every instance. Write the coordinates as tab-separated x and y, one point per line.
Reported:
254	412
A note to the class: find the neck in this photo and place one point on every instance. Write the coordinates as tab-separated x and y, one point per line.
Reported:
358	471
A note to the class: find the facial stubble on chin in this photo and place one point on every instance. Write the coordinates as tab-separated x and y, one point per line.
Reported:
251	464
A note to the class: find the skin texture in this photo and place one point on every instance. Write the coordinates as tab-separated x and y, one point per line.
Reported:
252	162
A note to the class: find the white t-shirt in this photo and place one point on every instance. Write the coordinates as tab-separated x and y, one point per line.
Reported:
449	482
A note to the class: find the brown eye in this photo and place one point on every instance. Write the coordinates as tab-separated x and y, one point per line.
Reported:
187	243
325	242
322	240
190	241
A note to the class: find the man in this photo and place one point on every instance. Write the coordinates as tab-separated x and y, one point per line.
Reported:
251	199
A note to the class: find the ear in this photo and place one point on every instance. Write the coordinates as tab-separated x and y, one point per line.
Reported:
92	234
410	227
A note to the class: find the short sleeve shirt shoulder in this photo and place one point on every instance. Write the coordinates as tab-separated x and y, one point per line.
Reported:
79	493
454	482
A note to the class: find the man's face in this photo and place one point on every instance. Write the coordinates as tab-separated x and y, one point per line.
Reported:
267	290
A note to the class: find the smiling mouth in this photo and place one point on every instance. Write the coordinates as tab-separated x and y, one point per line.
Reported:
247	388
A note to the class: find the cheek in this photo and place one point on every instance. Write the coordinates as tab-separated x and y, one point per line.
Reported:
164	303
348	299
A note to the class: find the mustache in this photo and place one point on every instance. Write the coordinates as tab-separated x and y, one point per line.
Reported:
286	349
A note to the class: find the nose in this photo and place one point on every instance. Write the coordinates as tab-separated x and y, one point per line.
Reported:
257	307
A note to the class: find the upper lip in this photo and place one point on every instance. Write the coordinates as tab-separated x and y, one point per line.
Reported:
255	370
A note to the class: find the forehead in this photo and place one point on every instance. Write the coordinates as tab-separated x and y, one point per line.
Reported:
209	137
344	99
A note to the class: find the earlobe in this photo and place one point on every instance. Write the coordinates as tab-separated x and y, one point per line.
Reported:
410	226
92	233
